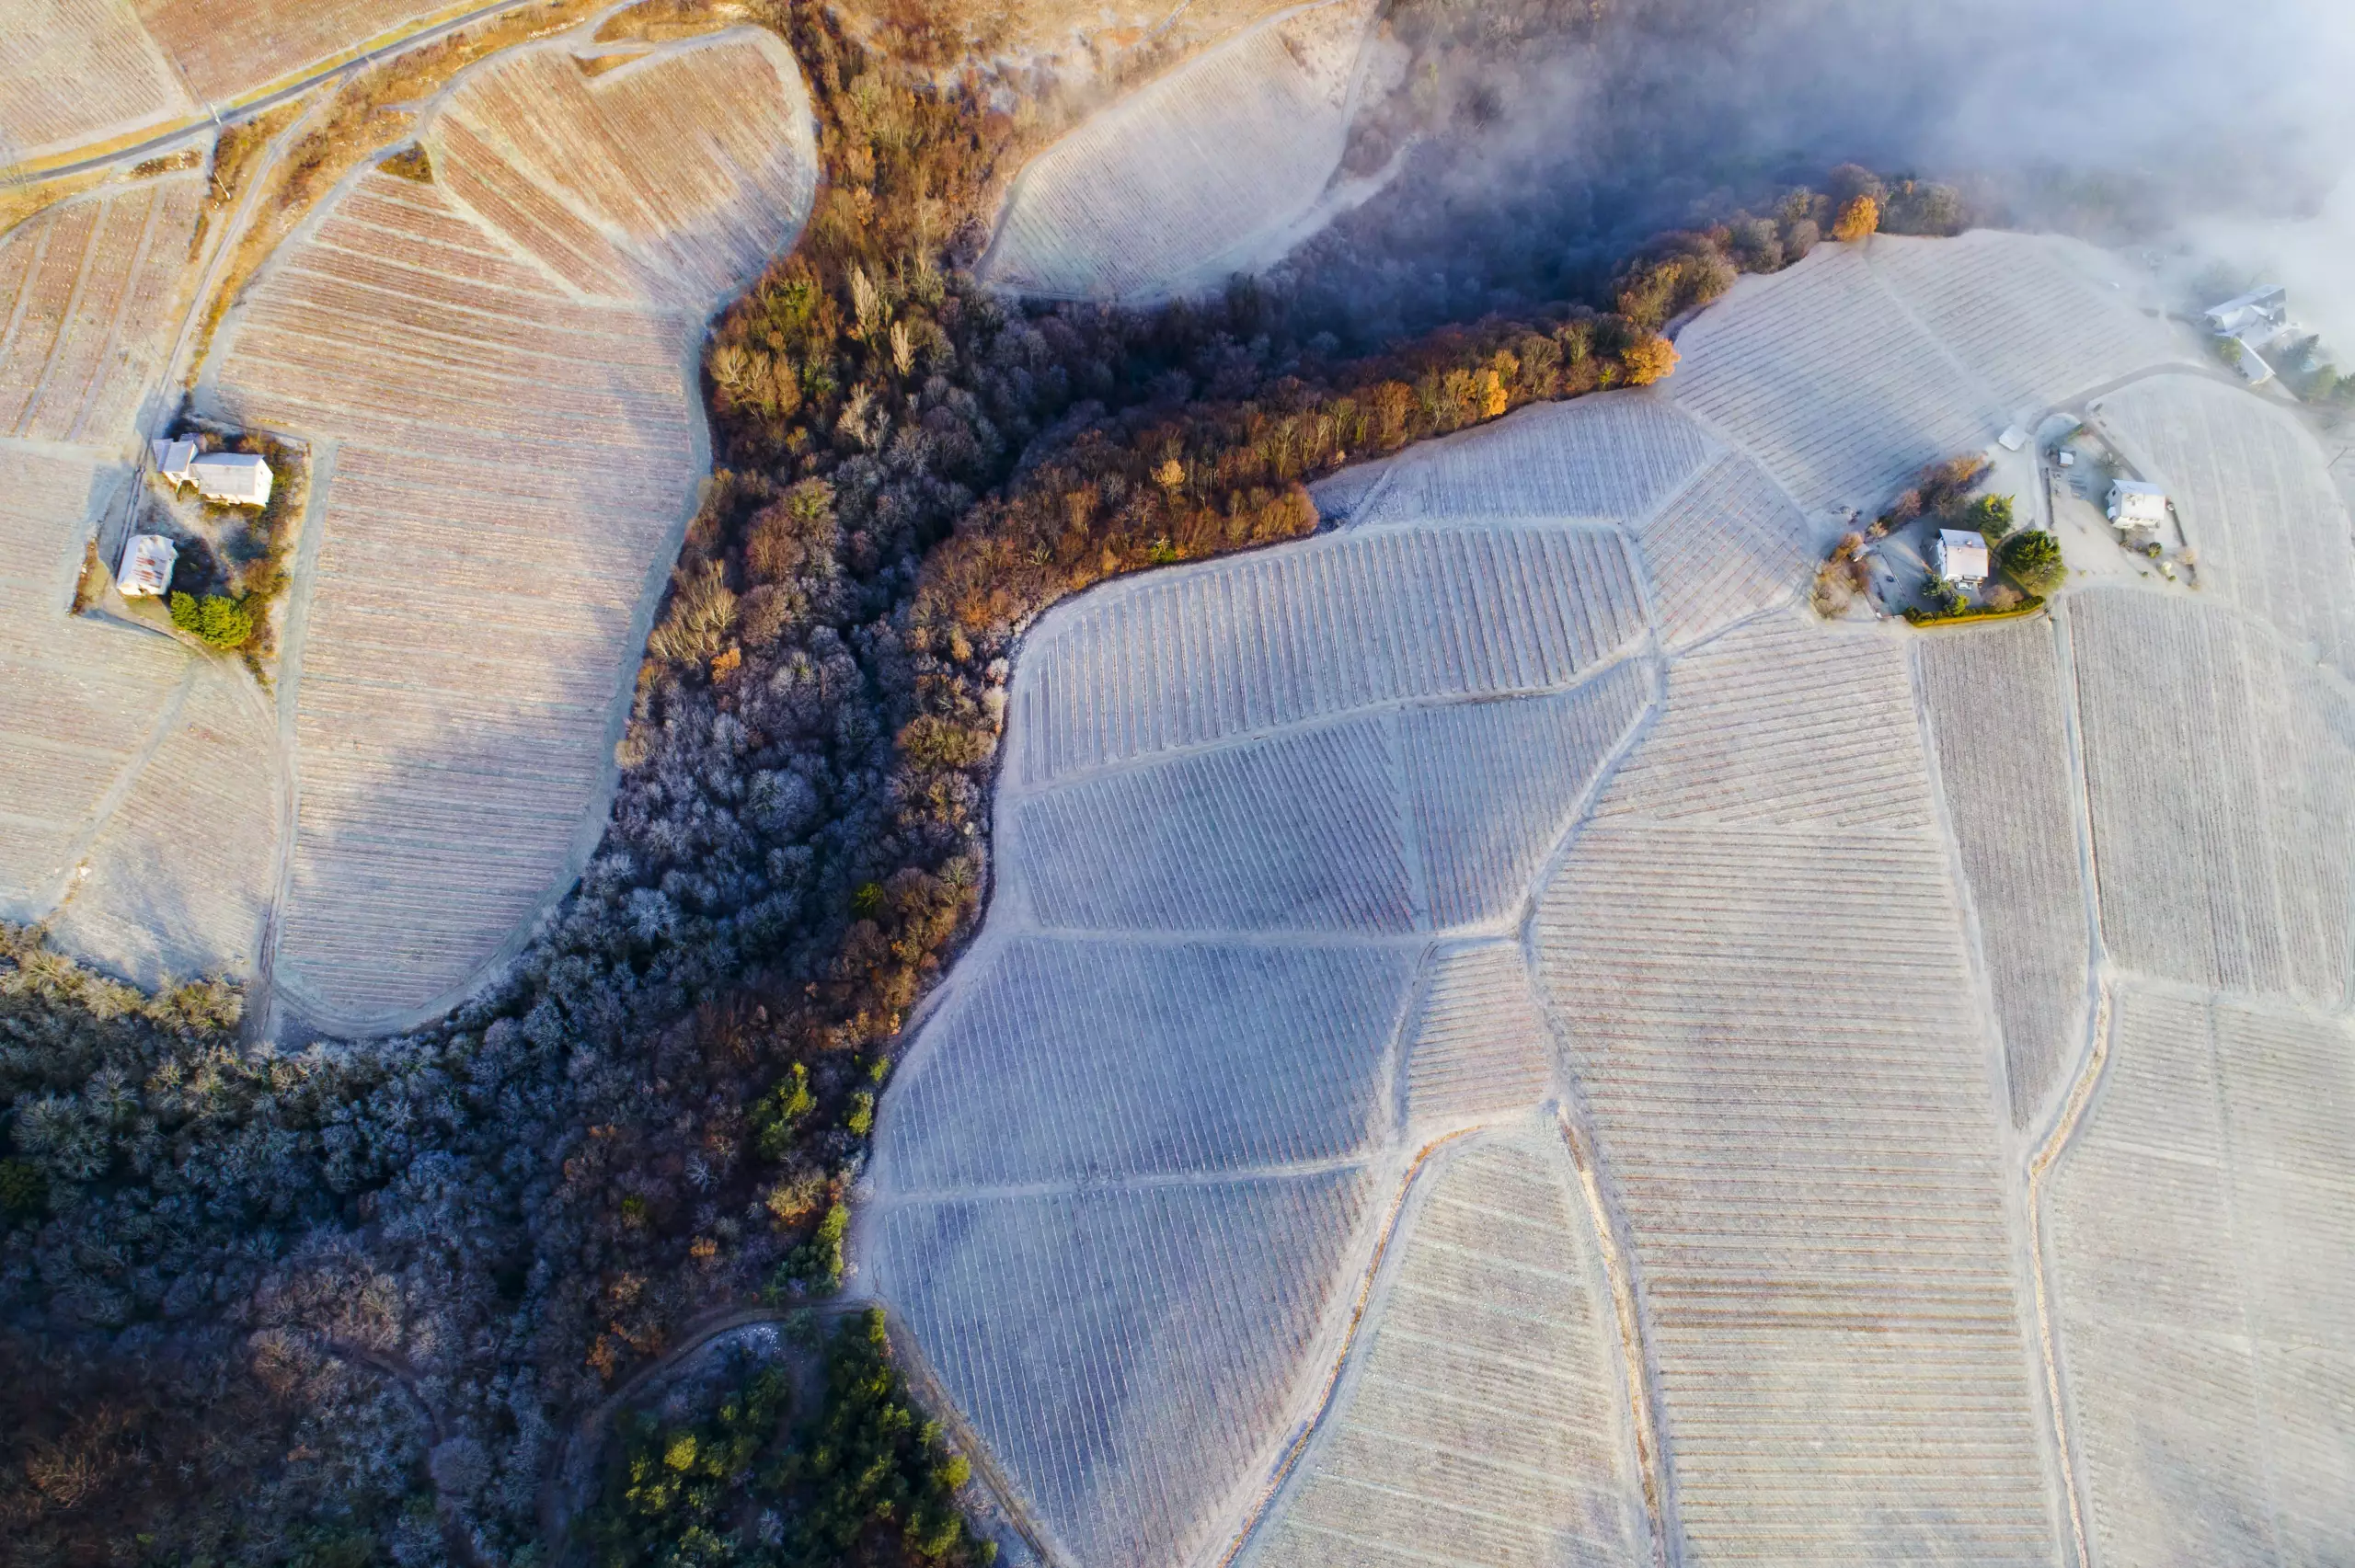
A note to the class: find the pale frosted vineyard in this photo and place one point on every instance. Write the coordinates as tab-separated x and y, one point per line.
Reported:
1501	1039
85	75
495	369
1210	169
142	812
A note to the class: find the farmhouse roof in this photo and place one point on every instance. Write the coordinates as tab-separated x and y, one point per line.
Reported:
1962	555
2266	301
172	459
2134	501
235	476
147	563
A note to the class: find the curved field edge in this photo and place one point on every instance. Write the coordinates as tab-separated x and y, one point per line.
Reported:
1276	231
296	1002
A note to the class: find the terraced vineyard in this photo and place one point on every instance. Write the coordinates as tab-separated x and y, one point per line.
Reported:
2216	769
1211	975
1756	947
226	49
1613	458
85	290
1530	785
141	823
1996	702
183	871
1823	377
2036	318
1483	1417
2206	1292
514	447
1209	170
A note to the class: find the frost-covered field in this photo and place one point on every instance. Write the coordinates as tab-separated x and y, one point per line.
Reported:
2206	1290
85	288
1759	957
2217	768
1247	801
1208	170
2253	488
78	72
1529	793
141	819
497	368
1483	1418
1994	701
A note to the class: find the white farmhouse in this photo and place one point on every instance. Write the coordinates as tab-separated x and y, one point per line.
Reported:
2265	308
2133	504
1961	557
236	478
239	478
147	563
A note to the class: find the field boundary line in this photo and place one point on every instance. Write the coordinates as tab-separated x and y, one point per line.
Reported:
1327	1399
1643	1406
2040	1167
295	634
125	781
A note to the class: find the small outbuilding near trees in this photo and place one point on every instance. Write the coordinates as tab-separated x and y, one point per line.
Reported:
147	563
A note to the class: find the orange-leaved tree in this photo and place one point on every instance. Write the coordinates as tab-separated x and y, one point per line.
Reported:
1648	359
1858	220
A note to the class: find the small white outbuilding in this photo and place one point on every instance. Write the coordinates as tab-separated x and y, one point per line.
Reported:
147	563
1961	557
237	478
2133	504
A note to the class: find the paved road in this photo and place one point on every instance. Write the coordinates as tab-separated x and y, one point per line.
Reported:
268	101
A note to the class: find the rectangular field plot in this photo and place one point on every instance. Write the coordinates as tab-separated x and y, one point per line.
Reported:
78	701
2032	315
79	72
2205	1290
1782	722
182	874
1790	1091
1483	1419
1063	1060
1994	701
1611	458
1492	785
1761	968
228	48
1297	832
2217	768
2256	496
1348	621
1480	1047
1129	1357
1818	376
1729	546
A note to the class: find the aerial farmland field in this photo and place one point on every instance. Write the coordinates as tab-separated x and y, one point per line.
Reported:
1789	922
826	891
1206	171
497	368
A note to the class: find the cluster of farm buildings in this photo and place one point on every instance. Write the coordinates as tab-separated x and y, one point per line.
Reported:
226	478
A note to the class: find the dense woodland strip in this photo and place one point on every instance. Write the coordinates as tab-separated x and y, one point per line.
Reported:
347	1304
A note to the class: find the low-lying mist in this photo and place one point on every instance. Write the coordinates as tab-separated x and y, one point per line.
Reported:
1532	142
